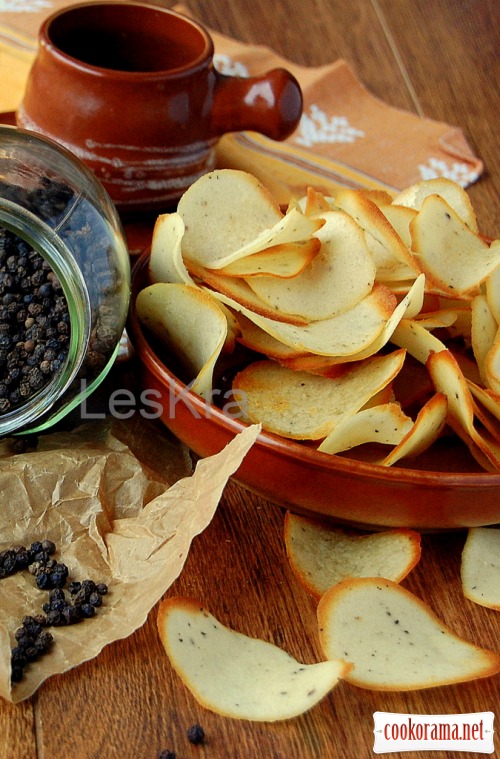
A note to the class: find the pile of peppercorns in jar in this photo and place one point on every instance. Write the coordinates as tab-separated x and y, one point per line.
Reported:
32	638
34	322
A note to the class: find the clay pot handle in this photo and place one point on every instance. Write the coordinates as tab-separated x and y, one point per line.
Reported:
270	104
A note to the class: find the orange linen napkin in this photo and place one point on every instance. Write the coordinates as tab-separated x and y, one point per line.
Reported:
346	137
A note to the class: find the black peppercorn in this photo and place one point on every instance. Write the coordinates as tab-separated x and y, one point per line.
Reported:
54	618
95	599
18	657
88	586
16	673
57	579
43	641
32	642
32	637
86	610
196	734
23	559
56	594
70	614
48	546
43	580
29	297
31	652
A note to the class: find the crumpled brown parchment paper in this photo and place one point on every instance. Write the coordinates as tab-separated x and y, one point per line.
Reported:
122	507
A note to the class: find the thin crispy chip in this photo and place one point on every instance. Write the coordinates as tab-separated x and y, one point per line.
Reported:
452	257
304	406
294	226
212	213
328	365
492	365
379	197
315	203
400	218
236	292
283	261
336	279
165	260
480	567
257	339
237	676
492	287
437	319
430	422
174	312
454	194
416	339
448	378
391	255
395	641
321	556
487	398
410	304
484	329
385	424
342	335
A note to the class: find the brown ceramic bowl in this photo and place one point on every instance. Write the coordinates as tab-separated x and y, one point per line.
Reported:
302	479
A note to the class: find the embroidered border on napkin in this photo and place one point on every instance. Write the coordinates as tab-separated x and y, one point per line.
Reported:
346	137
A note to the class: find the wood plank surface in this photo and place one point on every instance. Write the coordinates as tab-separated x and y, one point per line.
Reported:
450	54
438	58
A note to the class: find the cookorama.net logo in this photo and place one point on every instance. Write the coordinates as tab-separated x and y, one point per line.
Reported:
433	732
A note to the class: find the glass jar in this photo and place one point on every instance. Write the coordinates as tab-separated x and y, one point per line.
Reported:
64	282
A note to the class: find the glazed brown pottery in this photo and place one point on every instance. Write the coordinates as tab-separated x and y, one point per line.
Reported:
131	89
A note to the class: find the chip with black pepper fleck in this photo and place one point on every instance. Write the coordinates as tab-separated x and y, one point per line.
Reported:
235	675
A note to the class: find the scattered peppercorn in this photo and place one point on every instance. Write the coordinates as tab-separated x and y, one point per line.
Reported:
196	734
48	546
33	641
74	586
85	597
86	611
22	445
167	754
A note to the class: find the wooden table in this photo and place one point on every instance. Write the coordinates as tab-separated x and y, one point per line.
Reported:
438	58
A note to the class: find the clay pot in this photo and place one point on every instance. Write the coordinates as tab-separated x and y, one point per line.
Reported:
131	89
